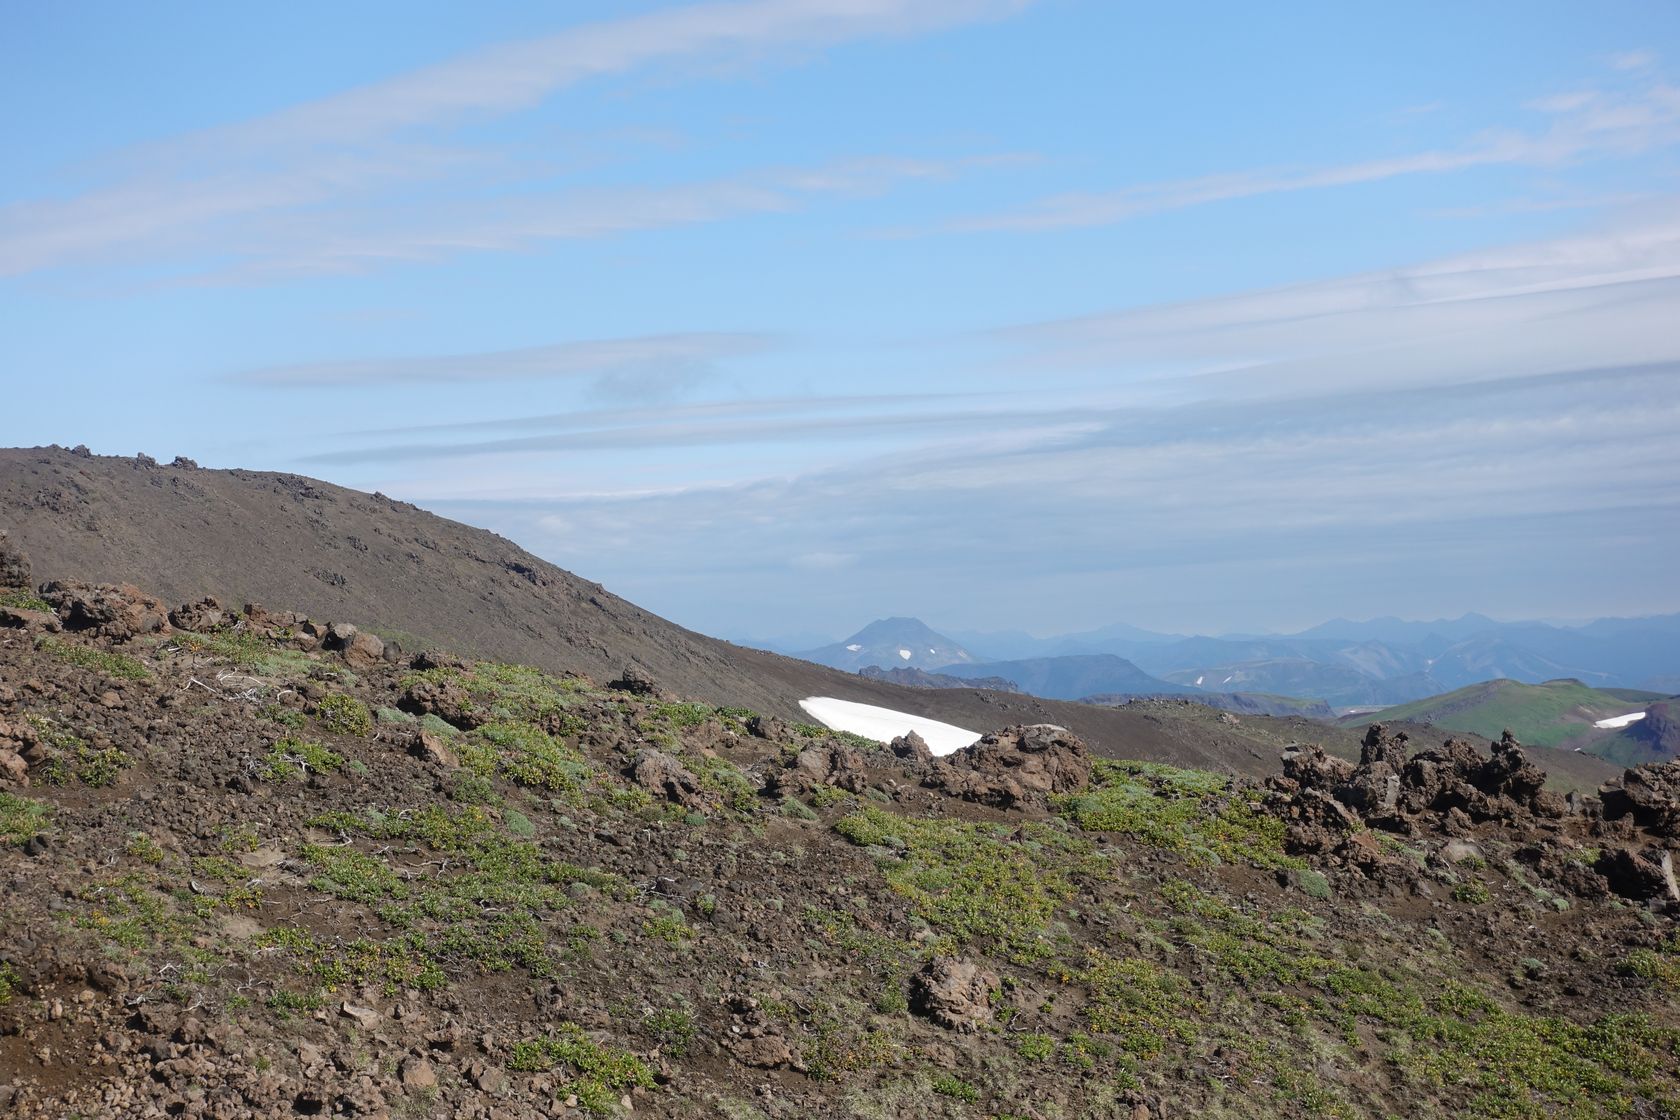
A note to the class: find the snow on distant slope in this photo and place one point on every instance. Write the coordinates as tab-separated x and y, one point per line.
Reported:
1620	721
884	725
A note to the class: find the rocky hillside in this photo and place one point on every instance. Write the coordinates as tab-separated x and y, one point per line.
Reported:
256	865
417	579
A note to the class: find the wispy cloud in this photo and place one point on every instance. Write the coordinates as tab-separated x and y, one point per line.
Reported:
1567	303
194	191
663	354
357	239
1320	493
1580	124
1633	60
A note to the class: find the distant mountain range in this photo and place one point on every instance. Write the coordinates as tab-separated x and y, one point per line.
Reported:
891	643
1347	664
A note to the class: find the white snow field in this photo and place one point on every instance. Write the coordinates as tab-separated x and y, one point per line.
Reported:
884	725
1620	721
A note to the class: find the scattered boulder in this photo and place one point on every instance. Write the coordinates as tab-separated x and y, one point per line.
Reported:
1016	766
14	566
1649	796
359	648
446	699
664	776
1396	793
417	1075
913	749
956	994
823	764
30	622
769	727
432	748
1643	875
203	617
119	612
635	682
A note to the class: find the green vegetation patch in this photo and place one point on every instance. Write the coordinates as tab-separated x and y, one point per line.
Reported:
600	1074
18	600
1139	1003
109	662
461	892
246	650
344	715
1545	715
1511	1064
1661	965
1191	811
21	818
977	883
293	758
75	760
509	693
526	755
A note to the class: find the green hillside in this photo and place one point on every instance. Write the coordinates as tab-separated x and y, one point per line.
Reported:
1550	714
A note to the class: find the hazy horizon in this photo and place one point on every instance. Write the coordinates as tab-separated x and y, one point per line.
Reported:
784	315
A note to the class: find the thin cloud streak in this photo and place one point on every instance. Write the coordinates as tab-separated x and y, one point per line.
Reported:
350	240
595	357
1583	124
349	144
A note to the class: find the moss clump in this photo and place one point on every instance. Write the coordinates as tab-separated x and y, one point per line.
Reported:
948	1085
23	601
10	982
291	758
527	755
1471	893
344	715
246	650
21	818
977	883
600	1073
1191	811
144	848
1138	1003
74	760
1513	1064
487	909
112	664
1661	965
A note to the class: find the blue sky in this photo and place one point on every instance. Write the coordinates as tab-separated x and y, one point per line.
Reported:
781	316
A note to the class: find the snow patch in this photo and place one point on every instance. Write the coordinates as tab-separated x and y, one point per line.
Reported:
1229	679
854	647
884	725
1200	679
904	653
1620	721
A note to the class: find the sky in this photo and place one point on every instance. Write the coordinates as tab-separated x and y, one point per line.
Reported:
777	316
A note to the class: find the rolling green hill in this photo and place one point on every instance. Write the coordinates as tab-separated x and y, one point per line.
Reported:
1552	714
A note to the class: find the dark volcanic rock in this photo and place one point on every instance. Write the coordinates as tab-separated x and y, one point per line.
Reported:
664	776
14	566
203	617
1649	796
1639	875
1016	766
118	612
636	682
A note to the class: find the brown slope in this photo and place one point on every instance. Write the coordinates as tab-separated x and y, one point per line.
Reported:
281	539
